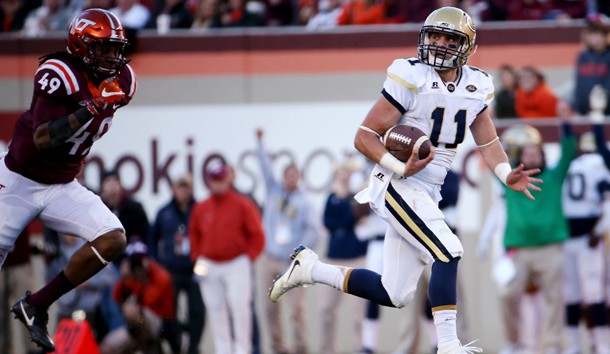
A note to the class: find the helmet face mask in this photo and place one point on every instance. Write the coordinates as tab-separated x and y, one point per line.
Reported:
97	37
455	25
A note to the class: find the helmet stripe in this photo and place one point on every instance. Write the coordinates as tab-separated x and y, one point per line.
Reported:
64	72
113	20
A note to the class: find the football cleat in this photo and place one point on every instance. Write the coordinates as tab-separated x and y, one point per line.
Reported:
457	348
297	274
35	320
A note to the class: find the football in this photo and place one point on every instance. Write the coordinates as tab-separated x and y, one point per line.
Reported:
400	140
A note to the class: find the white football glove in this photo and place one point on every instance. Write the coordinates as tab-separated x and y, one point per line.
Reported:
598	100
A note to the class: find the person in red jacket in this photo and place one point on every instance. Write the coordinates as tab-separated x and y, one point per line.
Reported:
226	236
534	98
146	296
363	12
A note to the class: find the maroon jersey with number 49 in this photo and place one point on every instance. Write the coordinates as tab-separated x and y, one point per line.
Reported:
61	86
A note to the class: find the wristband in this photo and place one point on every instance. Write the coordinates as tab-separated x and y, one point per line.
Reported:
393	164
502	170
60	129
83	115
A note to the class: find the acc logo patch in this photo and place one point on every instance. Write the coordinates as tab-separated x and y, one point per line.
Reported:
471	88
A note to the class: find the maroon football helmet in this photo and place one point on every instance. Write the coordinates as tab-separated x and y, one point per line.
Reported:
97	37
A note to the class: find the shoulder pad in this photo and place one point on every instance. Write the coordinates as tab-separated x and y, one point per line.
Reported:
483	79
409	72
128	81
56	78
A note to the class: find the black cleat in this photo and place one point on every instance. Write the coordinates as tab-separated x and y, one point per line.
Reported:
35	320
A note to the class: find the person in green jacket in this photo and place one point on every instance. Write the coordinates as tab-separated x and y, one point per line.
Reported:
533	238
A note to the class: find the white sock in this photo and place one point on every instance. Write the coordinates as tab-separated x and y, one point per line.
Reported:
370	328
329	274
446	331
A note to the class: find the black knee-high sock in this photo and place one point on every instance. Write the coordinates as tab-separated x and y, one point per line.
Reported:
443	281
54	289
367	284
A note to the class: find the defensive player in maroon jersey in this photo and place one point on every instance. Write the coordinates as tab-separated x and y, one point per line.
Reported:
76	93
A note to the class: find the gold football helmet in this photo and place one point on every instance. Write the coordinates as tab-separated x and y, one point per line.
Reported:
518	136
452	22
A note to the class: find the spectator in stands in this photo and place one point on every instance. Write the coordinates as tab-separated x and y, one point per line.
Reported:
173	14
528	9
52	16
226	236
593	64
327	15
132	13
571	8
344	248
306	10
169	244
279	12
534	98
362	12
534	235
208	15
99	4
15	280
497	10
129	211
146	297
289	221
12	15
243	14
505	96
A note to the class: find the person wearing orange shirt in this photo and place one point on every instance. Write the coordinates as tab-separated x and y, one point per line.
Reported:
362	12
226	235
534	98
146	296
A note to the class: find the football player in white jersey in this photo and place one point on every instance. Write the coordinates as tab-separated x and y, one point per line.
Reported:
437	93
584	274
